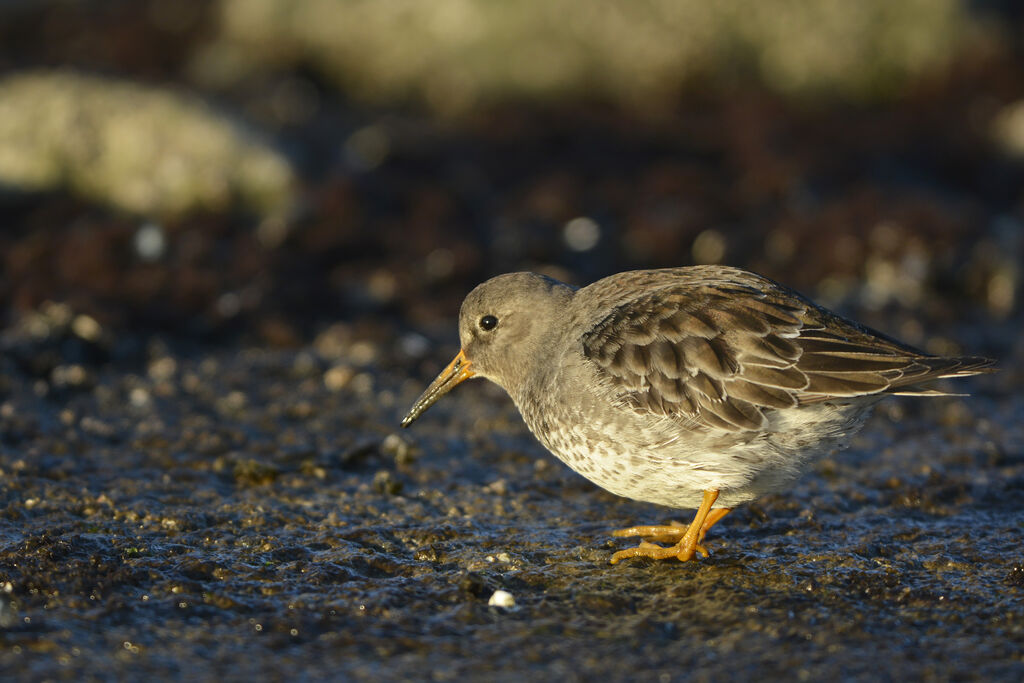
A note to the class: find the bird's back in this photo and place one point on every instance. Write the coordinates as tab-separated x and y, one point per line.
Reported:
722	347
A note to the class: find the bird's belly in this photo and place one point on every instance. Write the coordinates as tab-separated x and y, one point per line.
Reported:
660	475
644	463
633	475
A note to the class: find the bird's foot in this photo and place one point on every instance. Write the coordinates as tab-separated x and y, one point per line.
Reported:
688	539
683	551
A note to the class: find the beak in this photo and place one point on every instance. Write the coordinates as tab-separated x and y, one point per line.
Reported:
457	371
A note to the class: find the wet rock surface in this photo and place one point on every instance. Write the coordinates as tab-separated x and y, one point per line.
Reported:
235	512
201	471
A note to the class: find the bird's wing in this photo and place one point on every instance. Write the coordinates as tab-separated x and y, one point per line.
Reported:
724	354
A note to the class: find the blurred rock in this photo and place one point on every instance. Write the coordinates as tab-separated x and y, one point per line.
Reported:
397	448
141	149
384	482
1008	128
454	54
54	343
709	247
8	607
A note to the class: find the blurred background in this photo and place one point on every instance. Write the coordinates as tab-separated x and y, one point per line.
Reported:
265	168
234	237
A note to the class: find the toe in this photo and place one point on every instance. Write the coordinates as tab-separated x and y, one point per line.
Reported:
645	549
669	533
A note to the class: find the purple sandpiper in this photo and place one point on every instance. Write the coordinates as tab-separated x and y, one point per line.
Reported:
702	387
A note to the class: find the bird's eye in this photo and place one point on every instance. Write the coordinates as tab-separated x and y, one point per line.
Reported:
488	322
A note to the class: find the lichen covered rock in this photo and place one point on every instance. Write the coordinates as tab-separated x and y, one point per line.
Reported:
139	148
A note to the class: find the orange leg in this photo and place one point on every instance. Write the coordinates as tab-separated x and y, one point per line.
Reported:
689	539
713	518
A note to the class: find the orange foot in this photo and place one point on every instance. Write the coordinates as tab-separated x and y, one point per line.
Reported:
688	539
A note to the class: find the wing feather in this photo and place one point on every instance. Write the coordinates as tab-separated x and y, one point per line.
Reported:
722	348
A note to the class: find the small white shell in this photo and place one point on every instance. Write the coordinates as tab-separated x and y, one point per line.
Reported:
502	599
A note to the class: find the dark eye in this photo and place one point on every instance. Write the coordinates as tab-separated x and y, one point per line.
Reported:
488	322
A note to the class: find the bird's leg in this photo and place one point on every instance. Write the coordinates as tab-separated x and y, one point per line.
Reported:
712	519
689	538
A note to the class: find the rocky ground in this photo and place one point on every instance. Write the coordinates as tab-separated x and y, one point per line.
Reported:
246	512
201	470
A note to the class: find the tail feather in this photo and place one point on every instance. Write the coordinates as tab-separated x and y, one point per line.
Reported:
937	368
917	391
965	366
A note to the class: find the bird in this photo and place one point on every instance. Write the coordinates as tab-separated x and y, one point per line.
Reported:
699	387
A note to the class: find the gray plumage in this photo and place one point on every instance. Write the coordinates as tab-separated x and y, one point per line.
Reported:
658	385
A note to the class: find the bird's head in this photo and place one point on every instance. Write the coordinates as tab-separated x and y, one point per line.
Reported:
504	326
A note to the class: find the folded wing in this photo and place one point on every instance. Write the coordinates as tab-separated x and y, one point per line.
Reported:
726	353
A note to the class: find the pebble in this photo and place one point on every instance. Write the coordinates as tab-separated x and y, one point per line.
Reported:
502	598
8	610
398	448
338	377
